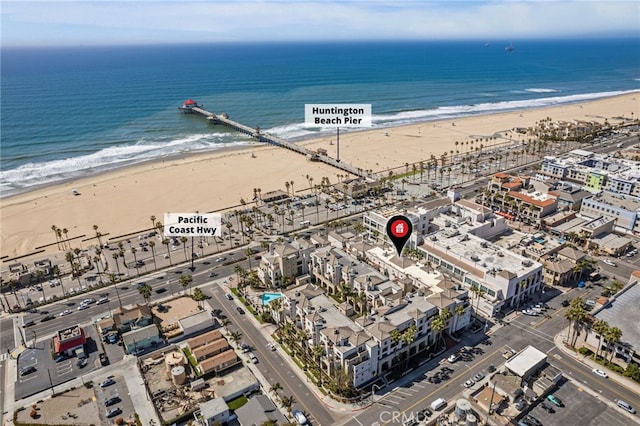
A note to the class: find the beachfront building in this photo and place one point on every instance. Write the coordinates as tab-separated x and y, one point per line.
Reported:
458	247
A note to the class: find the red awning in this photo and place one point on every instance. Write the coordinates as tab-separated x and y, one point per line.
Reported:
189	102
506	215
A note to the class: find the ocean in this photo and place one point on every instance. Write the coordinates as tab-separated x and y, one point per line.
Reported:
72	112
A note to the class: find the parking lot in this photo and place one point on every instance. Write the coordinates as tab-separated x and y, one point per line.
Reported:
580	408
116	392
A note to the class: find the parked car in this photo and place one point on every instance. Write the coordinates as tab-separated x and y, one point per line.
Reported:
107	382
300	417
112	338
253	357
554	400
608	262
478	377
491	369
245	347
240	310
520	404
625	406
453	357
600	373
27	370
112	412
103	359
60	358
82	362
469	383
530	420
547	408
565	303
112	401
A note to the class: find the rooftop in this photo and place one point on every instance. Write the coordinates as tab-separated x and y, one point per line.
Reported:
524	360
623	312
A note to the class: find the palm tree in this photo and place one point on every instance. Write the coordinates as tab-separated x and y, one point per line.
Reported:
287	402
166	243
198	296
275	388
184	240
152	244
115	258
185	281
437	325
459	311
55	231
225	323
249	253
601	327
235	337
113	281
56	273
135	260
613	336
408	337
317	351
576	315
98	235
145	291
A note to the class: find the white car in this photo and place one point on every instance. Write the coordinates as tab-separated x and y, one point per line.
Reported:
102	300
65	312
610	263
83	306
272	346
300	417
600	373
469	383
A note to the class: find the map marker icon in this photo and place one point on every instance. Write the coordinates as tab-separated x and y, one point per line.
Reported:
399	231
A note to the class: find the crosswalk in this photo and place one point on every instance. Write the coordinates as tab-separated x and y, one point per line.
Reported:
4	357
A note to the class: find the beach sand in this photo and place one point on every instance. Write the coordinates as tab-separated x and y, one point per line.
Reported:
122	201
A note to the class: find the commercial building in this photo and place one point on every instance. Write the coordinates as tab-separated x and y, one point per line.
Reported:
69	340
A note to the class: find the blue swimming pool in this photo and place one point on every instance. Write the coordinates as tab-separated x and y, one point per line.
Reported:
268	297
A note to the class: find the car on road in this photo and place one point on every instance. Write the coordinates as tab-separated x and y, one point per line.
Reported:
253	357
530	312
29	323
608	262
240	310
625	406
301	419
565	303
469	383
453	357
554	400
107	382
245	347
27	370
228	296
160	290
221	259
600	373
112	401
478	377
546	407
212	275
88	301
491	369
272	346
102	300
47	318
112	412
65	313
83	307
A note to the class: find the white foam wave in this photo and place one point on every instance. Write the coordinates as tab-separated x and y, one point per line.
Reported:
30	174
539	90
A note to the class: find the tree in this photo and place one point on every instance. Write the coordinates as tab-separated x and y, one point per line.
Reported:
613	336
152	245
145	291
317	351
275	388
98	235
185	281
225	323
235	337
576	315
437	325
165	242
184	240
198	296
287	402
601	327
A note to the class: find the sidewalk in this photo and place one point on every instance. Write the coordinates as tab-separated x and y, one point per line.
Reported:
625	382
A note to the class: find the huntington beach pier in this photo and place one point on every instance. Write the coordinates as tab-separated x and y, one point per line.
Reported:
192	107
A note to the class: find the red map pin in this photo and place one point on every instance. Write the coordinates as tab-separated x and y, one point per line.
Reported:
399	231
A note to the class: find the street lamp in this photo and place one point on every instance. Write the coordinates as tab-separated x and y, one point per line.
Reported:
34	339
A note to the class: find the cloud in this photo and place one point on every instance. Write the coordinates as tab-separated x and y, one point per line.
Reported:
110	22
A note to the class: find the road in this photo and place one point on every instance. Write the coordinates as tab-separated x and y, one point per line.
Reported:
270	363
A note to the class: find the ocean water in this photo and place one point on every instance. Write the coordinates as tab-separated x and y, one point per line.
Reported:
71	112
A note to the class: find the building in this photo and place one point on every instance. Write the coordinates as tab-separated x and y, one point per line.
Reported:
212	352
141	338
285	262
214	411
128	319
69	340
623	209
562	268
503	278
258	410
621	311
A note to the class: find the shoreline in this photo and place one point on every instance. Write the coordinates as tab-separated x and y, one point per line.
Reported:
122	200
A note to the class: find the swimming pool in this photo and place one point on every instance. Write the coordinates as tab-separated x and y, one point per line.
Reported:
268	297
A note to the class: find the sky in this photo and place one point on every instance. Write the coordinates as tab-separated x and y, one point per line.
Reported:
131	22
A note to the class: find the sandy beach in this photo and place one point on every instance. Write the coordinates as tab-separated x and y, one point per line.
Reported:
122	201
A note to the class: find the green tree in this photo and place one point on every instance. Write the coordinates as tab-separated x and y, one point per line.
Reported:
576	315
199	296
185	281
601	327
275	389
145	291
235	337
613	336
287	402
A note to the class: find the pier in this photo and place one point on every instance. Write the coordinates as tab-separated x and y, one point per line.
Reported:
191	107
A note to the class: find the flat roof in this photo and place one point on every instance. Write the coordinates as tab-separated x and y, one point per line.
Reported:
522	362
623	312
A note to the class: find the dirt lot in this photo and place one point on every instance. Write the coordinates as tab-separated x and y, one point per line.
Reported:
174	310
